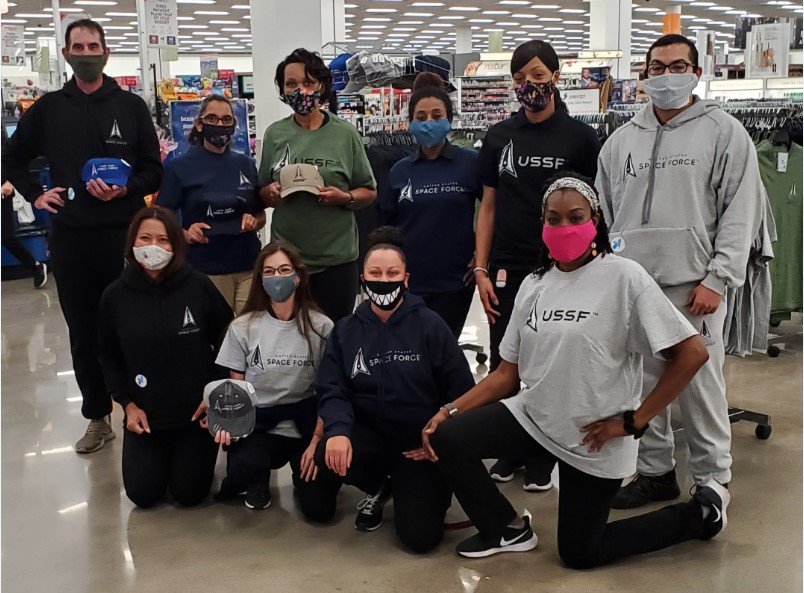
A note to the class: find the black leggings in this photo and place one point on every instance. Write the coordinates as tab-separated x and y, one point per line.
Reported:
334	290
585	539
250	460
452	307
419	491
180	461
9	237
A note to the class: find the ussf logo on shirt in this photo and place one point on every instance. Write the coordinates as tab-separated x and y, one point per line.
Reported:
509	161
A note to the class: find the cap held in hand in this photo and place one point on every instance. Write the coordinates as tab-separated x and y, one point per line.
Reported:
230	407
300	177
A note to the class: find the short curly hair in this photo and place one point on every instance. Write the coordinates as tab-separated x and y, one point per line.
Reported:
314	68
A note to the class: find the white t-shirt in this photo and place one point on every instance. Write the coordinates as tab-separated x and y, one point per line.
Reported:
276	359
579	338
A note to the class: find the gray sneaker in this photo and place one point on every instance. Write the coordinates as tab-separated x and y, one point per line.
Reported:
98	432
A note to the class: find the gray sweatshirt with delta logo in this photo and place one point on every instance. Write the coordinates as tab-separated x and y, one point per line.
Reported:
683	199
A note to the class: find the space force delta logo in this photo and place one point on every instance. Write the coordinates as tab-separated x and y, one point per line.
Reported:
285	160
673	161
244	182
115	136
509	161
362	367
188	324
409	192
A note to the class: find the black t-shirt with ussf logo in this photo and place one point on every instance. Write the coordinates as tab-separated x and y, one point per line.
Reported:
517	158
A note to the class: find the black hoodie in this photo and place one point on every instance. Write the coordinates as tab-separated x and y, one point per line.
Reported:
159	342
392	376
69	127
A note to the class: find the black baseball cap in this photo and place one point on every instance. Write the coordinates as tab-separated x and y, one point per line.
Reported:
230	407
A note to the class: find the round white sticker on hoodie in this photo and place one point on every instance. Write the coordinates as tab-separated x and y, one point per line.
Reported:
141	381
617	244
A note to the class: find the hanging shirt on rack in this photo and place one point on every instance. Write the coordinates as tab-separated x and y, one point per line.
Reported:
782	176
517	158
433	204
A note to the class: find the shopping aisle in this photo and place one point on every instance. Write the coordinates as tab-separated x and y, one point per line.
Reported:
73	530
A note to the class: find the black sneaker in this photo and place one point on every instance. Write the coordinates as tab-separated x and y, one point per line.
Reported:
512	540
40	275
647	489
504	470
538	479
717	498
229	489
258	496
369	510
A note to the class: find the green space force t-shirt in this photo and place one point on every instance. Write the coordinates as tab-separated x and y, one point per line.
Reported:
325	235
784	187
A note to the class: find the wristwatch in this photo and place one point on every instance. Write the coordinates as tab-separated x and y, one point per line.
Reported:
628	425
450	408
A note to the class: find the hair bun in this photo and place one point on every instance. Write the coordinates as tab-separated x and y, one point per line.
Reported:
425	79
386	235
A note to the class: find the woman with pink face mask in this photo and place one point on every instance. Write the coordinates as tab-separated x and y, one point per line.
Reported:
581	325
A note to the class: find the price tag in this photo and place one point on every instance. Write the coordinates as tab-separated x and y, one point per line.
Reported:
781	162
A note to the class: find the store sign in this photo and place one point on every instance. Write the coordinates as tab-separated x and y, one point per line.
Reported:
161	23
184	113
13	45
209	66
767	51
582	101
492	68
787	83
735	85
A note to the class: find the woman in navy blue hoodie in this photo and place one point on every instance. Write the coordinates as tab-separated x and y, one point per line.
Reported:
385	369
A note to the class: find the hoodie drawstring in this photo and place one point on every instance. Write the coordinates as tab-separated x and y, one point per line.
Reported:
648	205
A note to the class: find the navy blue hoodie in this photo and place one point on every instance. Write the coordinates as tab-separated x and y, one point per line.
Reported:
390	376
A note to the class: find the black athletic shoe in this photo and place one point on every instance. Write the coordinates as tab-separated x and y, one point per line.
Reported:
369	510
717	498
504	470
538	479
258	496
229	490
647	489
512	540
40	275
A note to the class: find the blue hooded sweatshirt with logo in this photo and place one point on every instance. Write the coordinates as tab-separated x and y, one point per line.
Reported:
391	376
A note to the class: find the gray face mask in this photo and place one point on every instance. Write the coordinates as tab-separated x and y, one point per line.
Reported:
670	91
280	288
87	68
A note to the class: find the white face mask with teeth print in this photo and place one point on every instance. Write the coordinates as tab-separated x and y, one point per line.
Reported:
385	295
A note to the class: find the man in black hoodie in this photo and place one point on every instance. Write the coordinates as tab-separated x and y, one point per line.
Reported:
90	117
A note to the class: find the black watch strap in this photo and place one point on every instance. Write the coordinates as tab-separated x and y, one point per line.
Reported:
628	425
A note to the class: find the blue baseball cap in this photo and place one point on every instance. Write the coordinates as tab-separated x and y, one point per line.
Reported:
340	75
112	171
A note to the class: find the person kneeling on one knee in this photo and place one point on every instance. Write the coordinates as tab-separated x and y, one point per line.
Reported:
581	326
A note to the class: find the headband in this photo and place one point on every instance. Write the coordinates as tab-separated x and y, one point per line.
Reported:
571	183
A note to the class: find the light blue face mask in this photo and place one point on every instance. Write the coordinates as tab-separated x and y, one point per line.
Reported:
280	288
430	133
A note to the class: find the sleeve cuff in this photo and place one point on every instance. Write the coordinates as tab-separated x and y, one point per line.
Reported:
339	429
714	283
122	399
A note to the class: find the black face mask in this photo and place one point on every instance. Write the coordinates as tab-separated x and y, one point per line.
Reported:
386	295
218	136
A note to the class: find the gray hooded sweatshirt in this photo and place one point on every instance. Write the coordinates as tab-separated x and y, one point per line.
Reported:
683	199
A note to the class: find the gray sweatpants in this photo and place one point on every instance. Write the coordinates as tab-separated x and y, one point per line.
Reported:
704	410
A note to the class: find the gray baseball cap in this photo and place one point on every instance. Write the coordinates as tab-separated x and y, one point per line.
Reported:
230	407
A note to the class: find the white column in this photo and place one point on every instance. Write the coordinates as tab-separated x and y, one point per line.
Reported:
145	70
60	67
463	40
611	30
275	32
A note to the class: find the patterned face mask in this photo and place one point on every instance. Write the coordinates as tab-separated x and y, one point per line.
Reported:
535	96
302	103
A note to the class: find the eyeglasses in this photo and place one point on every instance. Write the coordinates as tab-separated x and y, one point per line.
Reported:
677	67
214	120
285	270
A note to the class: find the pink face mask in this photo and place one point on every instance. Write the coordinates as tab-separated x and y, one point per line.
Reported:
568	243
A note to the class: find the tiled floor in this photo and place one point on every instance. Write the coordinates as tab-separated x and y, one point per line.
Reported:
67	526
